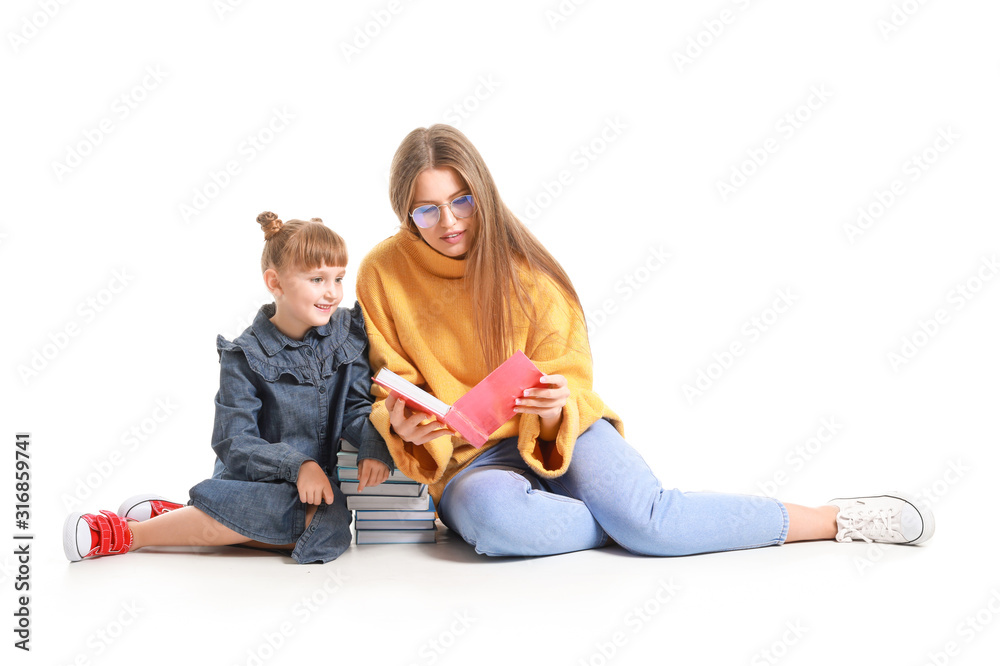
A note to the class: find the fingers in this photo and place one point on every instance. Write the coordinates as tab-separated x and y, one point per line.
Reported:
555	380
539	402
316	494
364	475
398	413
413	428
544	402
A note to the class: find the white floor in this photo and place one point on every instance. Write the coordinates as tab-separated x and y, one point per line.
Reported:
815	603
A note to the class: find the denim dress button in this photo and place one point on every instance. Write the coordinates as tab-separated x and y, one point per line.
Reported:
309	351
322	389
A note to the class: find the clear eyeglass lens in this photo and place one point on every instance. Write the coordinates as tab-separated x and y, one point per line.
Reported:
463	206
427	216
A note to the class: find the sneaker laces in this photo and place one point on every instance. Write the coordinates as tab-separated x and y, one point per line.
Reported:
868	524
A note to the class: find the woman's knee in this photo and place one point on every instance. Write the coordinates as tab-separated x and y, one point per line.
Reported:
480	505
502	513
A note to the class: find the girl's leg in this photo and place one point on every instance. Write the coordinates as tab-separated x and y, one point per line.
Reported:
503	510
190	526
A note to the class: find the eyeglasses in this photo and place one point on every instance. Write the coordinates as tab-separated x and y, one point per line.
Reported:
427	216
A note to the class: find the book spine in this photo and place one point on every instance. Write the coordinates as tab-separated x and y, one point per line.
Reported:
466	428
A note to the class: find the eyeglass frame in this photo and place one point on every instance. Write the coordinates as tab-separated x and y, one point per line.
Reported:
449	205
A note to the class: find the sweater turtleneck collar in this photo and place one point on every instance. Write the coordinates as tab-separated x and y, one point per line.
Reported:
430	259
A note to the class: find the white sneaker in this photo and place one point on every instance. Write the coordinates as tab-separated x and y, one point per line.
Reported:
893	518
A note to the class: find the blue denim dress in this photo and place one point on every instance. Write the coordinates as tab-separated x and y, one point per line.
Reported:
282	402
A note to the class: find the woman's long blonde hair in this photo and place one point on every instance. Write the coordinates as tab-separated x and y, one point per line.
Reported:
503	253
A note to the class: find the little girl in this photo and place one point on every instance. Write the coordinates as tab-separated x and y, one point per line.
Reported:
292	384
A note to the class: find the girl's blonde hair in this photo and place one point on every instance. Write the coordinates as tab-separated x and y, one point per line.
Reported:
299	244
503	255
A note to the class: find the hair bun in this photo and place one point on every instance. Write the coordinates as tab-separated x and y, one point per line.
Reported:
270	223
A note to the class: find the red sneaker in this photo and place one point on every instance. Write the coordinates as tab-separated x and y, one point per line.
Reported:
92	535
144	507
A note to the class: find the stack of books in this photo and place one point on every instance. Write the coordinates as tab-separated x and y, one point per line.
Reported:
399	510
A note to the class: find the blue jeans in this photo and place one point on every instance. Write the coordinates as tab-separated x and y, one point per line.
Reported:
501	507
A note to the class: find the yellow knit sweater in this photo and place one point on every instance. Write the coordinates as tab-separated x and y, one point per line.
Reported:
419	316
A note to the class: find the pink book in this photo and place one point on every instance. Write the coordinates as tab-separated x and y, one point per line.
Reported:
480	412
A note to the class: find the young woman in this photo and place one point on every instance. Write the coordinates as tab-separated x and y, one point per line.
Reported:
459	288
292	384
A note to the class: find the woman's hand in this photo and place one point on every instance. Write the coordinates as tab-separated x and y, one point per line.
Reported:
547	403
314	487
371	472
410	425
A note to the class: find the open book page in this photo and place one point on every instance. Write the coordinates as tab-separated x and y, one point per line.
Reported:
415	397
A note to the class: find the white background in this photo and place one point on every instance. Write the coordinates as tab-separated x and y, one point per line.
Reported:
116	296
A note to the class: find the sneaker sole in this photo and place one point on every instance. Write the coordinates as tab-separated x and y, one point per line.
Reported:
926	515
136	500
70	539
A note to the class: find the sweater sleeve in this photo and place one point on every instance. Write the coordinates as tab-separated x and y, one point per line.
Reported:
426	463
558	345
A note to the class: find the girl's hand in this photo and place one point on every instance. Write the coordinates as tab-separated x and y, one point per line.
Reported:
547	403
313	485
371	472
409	425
